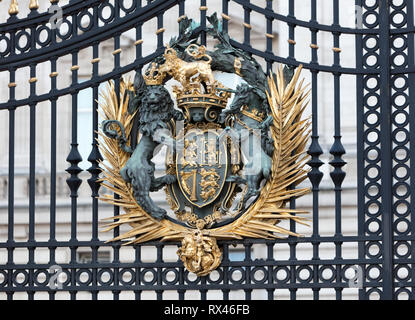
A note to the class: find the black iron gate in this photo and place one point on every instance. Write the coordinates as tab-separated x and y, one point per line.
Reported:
384	73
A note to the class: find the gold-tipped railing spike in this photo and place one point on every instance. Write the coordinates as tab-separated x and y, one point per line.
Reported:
34	5
14	8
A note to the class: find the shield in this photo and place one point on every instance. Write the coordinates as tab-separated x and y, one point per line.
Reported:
202	166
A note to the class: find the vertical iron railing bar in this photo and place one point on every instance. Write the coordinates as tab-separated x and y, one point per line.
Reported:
181	8
248	251
411	94
225	269
32	178
247	26
360	144
94	159
270	245
315	175
137	250
292	245
53	142
181	292
225	15
160	31
386	146
203	9
134	137
291	31
159	269
316	235
74	181
337	150
270	270
116	233
269	34
10	201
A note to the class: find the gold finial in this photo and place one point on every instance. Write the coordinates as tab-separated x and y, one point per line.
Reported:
33	5
14	8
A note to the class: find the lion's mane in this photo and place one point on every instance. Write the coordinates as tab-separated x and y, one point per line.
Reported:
155	116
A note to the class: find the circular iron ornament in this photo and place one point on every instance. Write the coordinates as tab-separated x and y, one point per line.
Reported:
375	115
82	272
375	18
304	269
397	190
372	190
399	175
373	293
373	226
233	275
394	19
401	223
166	273
18	37
401	149
90	18
377	246
370	8
109	7
400	96
368	84
372	172
399	205
130	9
202	184
37	274
324	278
39	31
152	273
407	271
6	40
257	271
101	274
188	275
403	43
399	83
4	276
373	268
68	34
373	105
126	272
367	43
397	118
369	208
220	276
279	270
20	273
403	292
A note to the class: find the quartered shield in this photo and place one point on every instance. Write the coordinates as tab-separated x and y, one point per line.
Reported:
202	166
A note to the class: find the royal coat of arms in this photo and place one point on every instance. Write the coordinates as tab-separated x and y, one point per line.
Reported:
234	155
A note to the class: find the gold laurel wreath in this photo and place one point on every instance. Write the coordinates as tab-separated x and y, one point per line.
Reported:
290	134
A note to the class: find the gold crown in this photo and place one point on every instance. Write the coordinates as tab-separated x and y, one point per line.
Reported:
191	96
153	76
253	114
206	100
